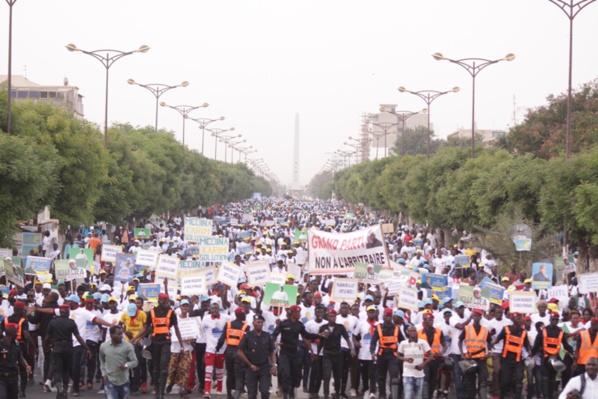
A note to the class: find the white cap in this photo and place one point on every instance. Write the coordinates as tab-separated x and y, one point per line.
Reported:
47	285
105	287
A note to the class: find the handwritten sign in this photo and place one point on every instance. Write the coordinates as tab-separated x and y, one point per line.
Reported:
168	266
258	274
147	258
345	289
522	302
408	298
588	282
196	228
278	278
194	285
210	274
109	252
188	329
229	274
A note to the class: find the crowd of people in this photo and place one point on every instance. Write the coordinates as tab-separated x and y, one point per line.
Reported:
98	334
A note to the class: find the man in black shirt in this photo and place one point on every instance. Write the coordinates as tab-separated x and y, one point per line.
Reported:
389	336
59	337
256	351
161	318
43	320
332	361
231	335
200	348
511	362
10	360
288	359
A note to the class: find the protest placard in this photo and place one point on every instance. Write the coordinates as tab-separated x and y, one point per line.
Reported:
522	302
30	241
329	222
147	258
212	250
431	280
441	292
142	233
83	256
407	277
247	218
14	273
188	328
560	292
228	274
193	285
210	274
124	269
542	275
149	291
109	252
196	228
172	285
295	270
407	298
388	228
234	221
463	261
5	252
337	253
188	268
474	297
280	295
168	266
345	289
300	236
278	278
369	273
67	271
35	265
496	291
257	274
588	282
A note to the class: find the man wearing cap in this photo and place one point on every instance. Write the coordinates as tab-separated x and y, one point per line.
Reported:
511	361
231	335
495	326
386	337
315	375
332	361
10	362
435	339
132	321
59	336
542	314
477	340
161	318
289	364
23	338
256	352
549	343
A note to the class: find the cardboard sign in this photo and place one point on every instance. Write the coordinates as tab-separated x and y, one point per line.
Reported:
588	282
295	270
370	273
388	228
188	329
109	252
14	273
196	228
83	256
188	268
431	280
194	285
228	274
560	292
300	236
168	266
142	233
345	289
407	298
496	291
147	258
522	302
463	261
30	241
258	274
172	285
337	253
37	265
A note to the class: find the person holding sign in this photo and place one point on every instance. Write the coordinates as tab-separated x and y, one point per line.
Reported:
161	318
289	331
232	335
257	351
477	340
178	369
388	336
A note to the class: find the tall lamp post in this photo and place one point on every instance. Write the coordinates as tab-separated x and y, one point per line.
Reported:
385	126
110	57
9	79
363	144
226	140
247	152
356	147
203	123
232	145
157	89
428	96
473	66
571	8
241	150
184	110
217	132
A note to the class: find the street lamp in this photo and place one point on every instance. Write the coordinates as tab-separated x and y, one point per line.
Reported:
385	126
203	123
242	150
428	96
356	147
247	152
107	60
9	79
232	144
571	8
363	144
184	110
473	66
157	89
217	132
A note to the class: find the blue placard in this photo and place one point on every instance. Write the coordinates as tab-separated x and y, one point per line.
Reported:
430	280
37	265
244	249
462	261
496	291
418	242
149	291
542	275
221	220
281	220
125	267
523	244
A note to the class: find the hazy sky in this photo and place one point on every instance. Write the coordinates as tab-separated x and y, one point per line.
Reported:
259	62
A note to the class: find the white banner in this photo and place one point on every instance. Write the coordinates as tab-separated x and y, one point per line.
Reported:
168	266
337	253
522	302
258	274
588	282
147	258
345	289
228	274
408	298
278	278
109	252
195	228
194	285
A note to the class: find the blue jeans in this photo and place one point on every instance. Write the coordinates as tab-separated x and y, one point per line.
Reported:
413	387
458	374
116	391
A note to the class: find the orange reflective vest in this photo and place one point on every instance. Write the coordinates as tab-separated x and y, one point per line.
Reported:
388	342
20	336
587	348
233	337
161	324
552	345
475	343
436	346
513	343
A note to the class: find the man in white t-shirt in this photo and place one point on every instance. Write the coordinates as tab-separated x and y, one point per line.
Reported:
412	352
458	322
495	326
349	322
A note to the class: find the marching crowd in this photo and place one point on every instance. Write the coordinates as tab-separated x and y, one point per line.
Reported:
101	334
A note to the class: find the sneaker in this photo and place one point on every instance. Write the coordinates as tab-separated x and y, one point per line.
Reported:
89	385
373	396
207	396
101	391
353	392
76	394
143	387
